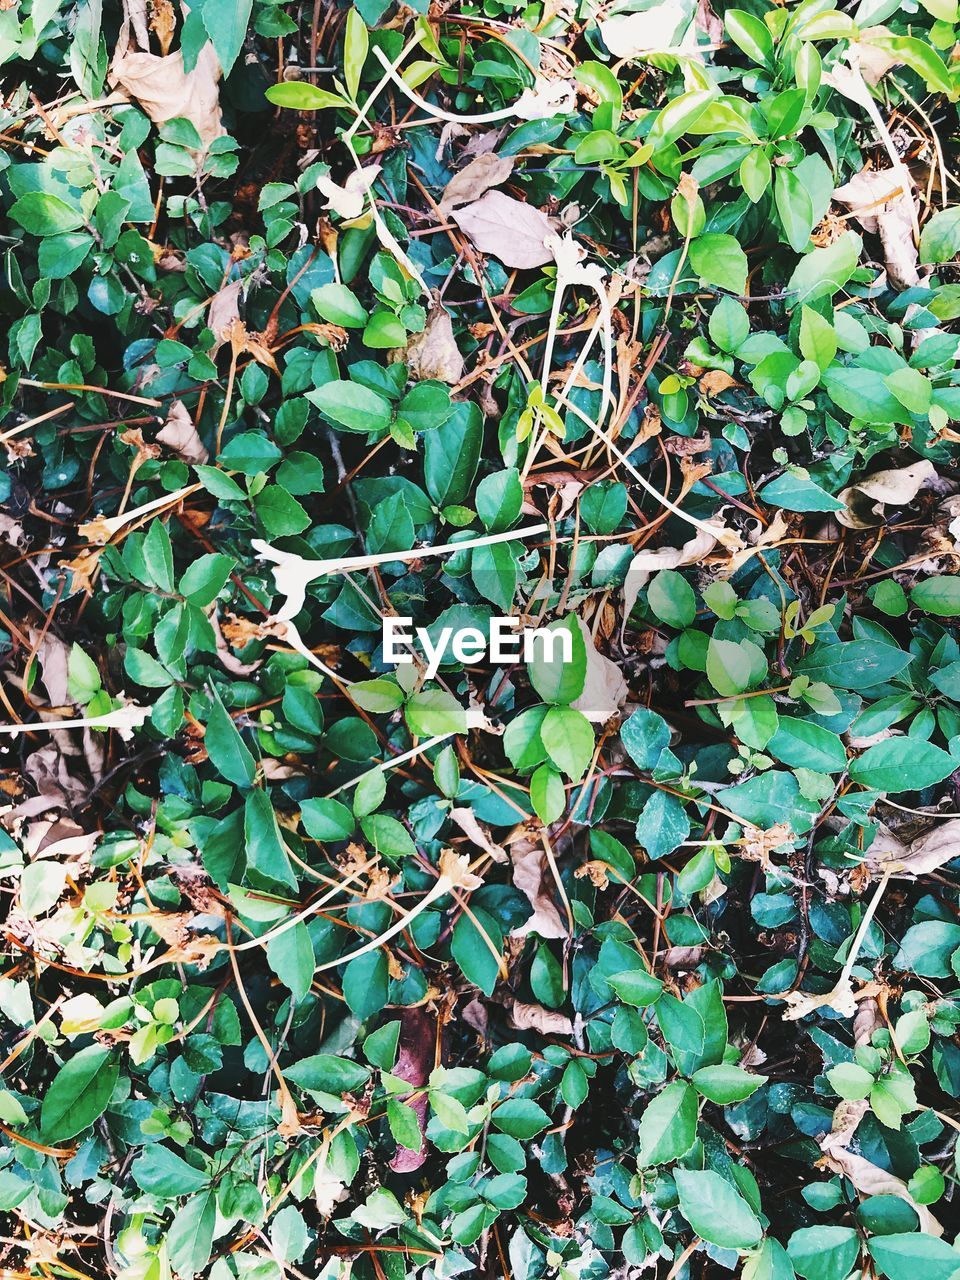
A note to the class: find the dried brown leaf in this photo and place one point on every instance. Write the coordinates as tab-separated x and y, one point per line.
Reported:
878	200
927	853
533	1017
180	435
604	688
508	229
434	352
532	877
468	824
870	1180
166	91
475	180
865	501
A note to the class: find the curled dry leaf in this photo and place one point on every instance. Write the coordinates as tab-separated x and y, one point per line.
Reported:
468	824
180	435
846	1120
840	998
929	852
865	501
531	876
223	313
604	688
433	353
878	200
54	656
508	229
414	1063
165	91
475	180
533	1017
867	1021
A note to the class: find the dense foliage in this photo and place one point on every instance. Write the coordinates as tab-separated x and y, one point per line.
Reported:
647	962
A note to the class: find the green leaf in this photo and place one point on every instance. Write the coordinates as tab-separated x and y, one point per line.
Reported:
205	578
327	1073
752	35
280	514
853	664
190	1238
291	957
824	1252
801	744
823	272
695	1028
388	836
78	1093
451	454
475	951
521	1118
226	749
939	595
327	820
495	573
339	305
636	987
568	738
818	338
43	214
668	1125
555	680
729	324
940	237
226	22
83	676
795	208
905	1256
902	764
911	388
377	696
547	794
645	736
718	259
366	983
672	599
435	712
716	1210
158	556
352	406
266	853
166	1174
795	491
726	1083
355	47
404	1125
850	1081
728	666
297	95
926	948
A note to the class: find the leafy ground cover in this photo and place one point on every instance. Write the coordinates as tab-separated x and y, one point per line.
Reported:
636	321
